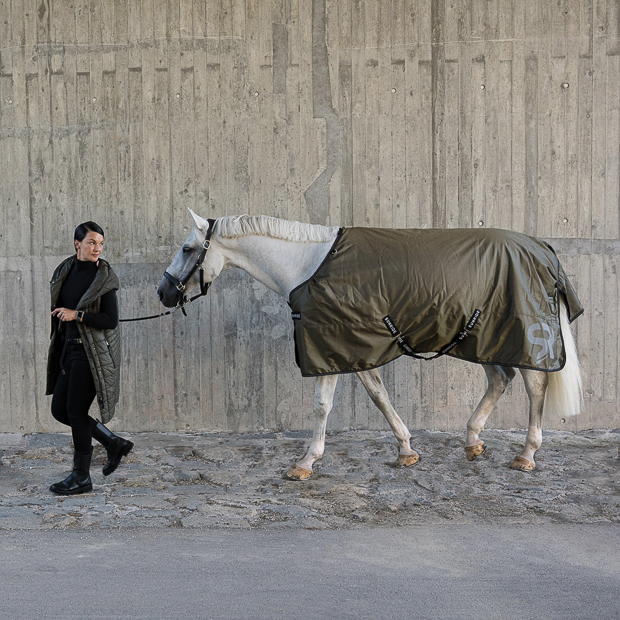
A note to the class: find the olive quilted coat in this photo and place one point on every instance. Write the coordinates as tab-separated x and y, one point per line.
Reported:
103	347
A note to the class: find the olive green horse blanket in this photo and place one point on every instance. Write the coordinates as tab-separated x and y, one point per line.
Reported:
486	296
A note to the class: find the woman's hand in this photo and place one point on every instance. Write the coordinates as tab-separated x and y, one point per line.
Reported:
64	314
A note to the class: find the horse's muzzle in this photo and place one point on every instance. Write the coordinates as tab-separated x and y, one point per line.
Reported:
168	294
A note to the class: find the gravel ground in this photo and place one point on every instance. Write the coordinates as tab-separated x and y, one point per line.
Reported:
227	480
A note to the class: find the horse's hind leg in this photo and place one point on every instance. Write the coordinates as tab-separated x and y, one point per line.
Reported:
323	400
536	383
377	392
498	380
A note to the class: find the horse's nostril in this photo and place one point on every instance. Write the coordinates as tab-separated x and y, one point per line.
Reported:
160	293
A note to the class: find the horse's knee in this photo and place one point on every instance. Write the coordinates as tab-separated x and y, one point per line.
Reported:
374	392
373	384
382	402
322	409
323	401
374	388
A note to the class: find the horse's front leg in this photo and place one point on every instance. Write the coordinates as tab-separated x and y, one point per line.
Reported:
536	383
323	400
377	392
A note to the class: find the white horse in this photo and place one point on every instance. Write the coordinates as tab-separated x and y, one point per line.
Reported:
281	255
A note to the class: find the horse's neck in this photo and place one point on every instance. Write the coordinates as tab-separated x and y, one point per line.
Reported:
279	265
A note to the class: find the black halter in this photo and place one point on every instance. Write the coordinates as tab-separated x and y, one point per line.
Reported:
180	285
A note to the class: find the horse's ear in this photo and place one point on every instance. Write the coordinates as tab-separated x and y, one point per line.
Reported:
200	222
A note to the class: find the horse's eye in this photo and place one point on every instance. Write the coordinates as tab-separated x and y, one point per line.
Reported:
186	249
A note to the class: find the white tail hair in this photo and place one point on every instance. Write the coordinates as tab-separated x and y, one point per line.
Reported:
564	395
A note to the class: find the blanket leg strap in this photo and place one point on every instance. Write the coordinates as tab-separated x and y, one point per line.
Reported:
402	343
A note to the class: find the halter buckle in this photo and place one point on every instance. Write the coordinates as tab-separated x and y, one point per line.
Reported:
180	287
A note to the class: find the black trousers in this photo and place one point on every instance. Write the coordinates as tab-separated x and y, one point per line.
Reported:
73	395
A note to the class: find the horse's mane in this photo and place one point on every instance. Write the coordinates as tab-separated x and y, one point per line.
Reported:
234	226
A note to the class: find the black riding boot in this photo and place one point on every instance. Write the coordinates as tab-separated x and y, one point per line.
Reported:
78	481
116	446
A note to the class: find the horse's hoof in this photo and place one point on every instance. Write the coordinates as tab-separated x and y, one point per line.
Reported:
406	460
520	463
298	473
471	452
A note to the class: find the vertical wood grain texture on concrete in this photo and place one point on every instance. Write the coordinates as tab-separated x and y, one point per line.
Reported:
397	113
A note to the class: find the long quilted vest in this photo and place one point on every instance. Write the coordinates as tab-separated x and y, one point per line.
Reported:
103	347
486	296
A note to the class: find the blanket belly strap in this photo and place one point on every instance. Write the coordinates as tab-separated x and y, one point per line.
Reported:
407	350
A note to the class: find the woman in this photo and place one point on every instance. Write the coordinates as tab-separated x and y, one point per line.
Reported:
84	355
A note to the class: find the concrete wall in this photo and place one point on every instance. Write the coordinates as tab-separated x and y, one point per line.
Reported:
402	113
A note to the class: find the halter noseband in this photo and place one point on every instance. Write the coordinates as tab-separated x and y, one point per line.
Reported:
180	285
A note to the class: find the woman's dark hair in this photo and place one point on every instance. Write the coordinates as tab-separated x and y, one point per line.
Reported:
83	229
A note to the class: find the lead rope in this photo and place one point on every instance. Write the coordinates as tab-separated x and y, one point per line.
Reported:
156	316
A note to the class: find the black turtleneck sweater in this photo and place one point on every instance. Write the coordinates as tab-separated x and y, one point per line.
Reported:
76	284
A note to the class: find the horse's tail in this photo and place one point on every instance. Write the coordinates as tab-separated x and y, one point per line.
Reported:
564	394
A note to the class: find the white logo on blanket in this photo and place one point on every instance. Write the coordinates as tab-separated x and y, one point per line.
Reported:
545	342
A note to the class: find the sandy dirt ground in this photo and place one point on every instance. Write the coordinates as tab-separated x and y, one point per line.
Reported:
228	480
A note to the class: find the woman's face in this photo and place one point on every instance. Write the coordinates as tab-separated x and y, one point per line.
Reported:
90	247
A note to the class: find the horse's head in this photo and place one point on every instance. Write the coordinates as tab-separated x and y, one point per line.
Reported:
183	275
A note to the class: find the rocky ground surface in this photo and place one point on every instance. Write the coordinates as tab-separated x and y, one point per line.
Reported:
227	480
